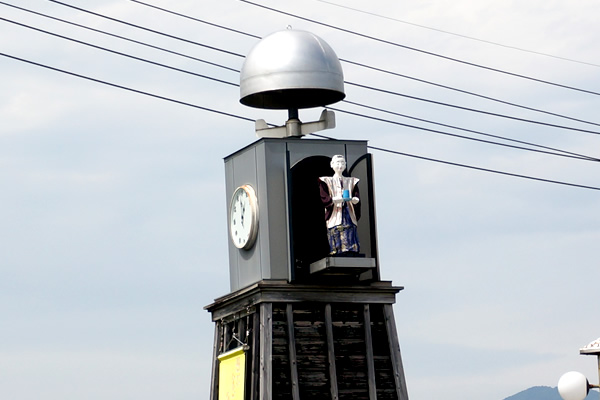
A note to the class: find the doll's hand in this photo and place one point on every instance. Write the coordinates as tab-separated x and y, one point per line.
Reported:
337	200
355	200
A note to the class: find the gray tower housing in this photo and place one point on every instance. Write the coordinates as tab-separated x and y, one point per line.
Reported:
291	230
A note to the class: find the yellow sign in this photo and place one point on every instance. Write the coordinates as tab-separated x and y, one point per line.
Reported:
232	368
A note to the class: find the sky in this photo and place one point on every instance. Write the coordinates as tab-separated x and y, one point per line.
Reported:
113	232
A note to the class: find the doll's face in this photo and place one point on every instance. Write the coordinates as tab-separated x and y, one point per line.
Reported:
338	164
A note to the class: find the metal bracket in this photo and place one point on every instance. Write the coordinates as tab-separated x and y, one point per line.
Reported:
293	126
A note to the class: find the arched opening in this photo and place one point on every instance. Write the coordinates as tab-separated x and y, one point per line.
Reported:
309	232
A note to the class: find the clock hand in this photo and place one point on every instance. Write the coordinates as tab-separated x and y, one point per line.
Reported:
242	214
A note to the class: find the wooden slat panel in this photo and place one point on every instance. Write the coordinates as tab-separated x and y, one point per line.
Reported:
280	355
390	322
331	353
254	373
292	351
311	351
265	385
350	354
369	356
384	370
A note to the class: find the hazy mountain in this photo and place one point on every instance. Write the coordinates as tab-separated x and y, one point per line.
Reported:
545	393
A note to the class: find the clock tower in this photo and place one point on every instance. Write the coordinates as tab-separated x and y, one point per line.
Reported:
308	315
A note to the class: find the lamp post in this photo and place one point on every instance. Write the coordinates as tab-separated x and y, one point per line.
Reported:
574	385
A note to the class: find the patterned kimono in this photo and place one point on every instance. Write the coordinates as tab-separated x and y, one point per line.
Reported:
341	218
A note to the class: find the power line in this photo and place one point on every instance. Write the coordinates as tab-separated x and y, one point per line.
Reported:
553	152
469	92
483	169
378	69
148	29
561	154
493	171
358	104
248	119
573	155
121	54
430	53
470	109
235	84
120	37
127	88
196	19
459	35
348	61
251	120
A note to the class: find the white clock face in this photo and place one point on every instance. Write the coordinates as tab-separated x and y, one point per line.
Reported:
243	217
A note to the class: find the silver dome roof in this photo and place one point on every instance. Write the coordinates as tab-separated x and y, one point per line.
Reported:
291	70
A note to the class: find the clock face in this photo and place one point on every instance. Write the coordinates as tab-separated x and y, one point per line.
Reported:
243	217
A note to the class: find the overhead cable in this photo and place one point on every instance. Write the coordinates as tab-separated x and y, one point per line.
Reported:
430	53
561	153
493	171
457	34
481	96
347	61
212	110
575	155
362	65
531	121
196	19
147	29
252	120
121	54
566	153
120	37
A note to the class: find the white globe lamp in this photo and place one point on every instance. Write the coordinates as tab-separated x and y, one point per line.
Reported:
573	386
